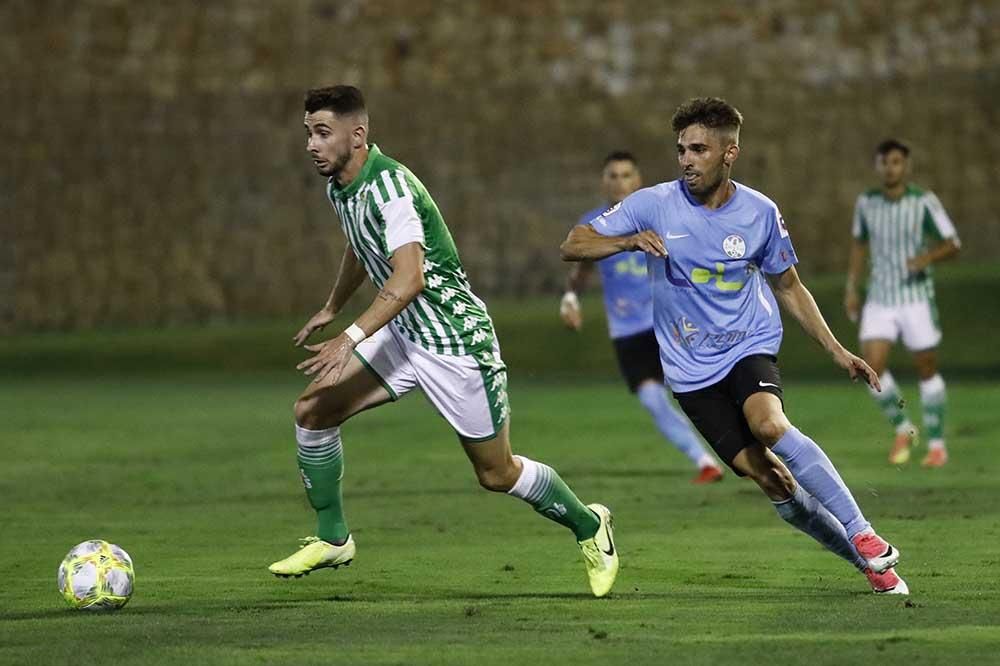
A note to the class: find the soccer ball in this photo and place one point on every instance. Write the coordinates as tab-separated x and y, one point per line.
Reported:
96	575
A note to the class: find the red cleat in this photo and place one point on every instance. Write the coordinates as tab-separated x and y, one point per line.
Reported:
935	458
708	474
886	582
876	551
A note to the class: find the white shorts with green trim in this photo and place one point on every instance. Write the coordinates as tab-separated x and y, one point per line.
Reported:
469	391
916	323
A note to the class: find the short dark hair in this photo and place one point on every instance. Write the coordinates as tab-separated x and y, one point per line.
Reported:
619	156
712	112
887	146
341	100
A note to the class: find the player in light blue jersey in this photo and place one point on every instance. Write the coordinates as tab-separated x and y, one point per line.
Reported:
628	301
721	260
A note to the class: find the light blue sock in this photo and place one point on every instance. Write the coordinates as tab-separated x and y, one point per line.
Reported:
805	513
672	423
811	468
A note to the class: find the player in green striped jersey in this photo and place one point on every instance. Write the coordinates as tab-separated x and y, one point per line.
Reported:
426	328
906	230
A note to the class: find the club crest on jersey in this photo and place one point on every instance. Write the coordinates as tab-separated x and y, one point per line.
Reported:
734	246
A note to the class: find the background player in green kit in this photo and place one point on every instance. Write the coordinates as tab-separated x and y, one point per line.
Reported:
425	328
906	230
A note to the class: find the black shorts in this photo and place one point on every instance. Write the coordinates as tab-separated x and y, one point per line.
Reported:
717	410
639	358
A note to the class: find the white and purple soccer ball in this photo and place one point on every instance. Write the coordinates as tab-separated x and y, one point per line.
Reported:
96	575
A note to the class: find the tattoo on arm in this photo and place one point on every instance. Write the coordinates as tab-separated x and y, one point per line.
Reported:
389	296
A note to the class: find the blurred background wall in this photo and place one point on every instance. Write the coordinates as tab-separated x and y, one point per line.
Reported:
153	164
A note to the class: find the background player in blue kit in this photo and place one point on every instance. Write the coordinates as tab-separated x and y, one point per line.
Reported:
709	242
628	301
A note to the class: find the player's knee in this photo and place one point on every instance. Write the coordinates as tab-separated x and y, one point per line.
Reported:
775	482
308	414
770	429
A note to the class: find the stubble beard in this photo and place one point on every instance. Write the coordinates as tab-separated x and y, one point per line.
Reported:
334	169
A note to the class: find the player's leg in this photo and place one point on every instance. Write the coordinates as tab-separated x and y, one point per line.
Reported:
795	506
719	419
933	398
639	362
921	336
879	330
319	412
498	470
813	470
676	429
544	490
470	392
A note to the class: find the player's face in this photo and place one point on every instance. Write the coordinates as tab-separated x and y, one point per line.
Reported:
619	179
892	167
329	140
704	156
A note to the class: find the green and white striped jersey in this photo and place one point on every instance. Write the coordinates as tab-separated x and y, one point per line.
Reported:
898	230
386	207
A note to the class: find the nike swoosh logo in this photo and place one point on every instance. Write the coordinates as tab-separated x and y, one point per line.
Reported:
763	384
611	544
671	236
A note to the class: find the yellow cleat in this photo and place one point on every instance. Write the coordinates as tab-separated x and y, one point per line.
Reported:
599	553
900	453
314	553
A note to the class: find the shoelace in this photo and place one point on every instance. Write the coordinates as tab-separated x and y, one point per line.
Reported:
305	541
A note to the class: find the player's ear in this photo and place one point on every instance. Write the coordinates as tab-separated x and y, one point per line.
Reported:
359	136
732	152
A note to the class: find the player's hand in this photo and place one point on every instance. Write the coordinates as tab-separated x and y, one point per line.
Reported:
569	311
329	360
856	368
852	305
917	264
648	241
315	323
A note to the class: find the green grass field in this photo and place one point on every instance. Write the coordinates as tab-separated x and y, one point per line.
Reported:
194	474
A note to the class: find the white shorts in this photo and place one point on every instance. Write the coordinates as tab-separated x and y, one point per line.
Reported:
470	392
916	323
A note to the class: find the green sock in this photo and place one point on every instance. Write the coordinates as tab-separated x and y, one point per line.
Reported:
540	486
933	399
890	401
321	462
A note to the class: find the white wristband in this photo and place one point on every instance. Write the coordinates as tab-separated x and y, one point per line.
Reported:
569	300
355	333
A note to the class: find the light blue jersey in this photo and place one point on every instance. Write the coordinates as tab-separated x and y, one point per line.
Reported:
712	305
628	298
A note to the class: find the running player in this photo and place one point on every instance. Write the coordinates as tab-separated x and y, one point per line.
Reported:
628	302
425	328
710	242
907	230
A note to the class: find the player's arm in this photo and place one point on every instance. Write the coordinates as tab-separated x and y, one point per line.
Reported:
797	301
855	264
585	243
938	225
576	282
349	278
403	285
946	249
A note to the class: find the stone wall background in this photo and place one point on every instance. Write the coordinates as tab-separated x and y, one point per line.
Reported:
153	167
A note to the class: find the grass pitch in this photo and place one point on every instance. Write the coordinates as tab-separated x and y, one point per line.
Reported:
195	476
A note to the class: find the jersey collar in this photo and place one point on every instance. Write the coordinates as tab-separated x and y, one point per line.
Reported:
354	185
